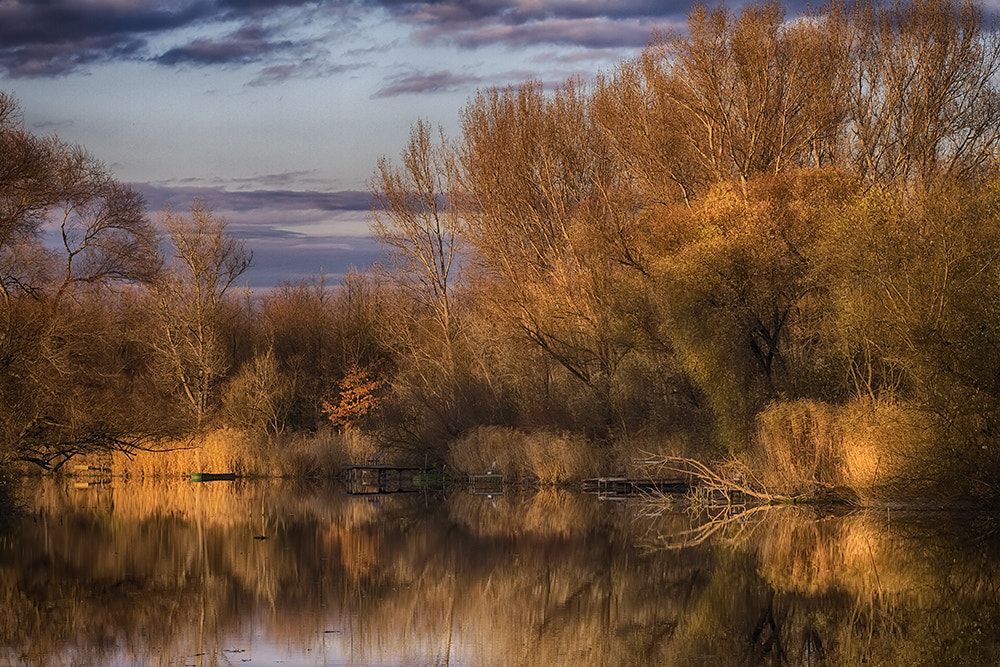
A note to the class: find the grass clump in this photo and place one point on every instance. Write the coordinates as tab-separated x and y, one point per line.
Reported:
548	456
866	450
245	453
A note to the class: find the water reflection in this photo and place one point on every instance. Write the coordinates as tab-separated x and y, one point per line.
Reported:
255	573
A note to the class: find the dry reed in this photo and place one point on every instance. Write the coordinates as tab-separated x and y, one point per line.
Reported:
243	453
550	457
864	450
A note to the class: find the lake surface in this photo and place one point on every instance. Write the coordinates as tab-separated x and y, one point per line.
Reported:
273	572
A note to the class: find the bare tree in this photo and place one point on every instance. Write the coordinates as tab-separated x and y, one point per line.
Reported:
551	215
901	93
924	100
415	216
755	93
191	302
104	230
26	193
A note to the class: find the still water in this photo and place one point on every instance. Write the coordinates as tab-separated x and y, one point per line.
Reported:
271	572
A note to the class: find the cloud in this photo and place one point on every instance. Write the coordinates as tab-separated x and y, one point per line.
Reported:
60	36
246	45
56	37
421	82
297	257
293	234
591	33
219	198
523	11
302	69
516	23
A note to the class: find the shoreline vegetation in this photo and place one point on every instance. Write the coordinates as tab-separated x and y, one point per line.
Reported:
766	252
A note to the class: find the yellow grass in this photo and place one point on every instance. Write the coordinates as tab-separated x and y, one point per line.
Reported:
243	453
549	456
869	447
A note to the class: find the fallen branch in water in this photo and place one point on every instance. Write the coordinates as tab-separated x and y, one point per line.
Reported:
731	484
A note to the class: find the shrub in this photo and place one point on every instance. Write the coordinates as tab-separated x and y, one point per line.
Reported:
876	448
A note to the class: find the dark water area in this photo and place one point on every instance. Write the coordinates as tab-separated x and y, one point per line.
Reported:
273	572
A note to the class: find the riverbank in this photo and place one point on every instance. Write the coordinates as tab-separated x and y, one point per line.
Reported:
864	453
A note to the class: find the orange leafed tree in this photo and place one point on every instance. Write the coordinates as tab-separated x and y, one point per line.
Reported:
358	396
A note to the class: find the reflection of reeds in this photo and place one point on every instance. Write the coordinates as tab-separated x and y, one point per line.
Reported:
551	512
546	578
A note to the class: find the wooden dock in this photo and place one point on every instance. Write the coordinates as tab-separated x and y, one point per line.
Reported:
623	487
373	478
89	476
487	484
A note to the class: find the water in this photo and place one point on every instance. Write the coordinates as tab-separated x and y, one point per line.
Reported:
260	573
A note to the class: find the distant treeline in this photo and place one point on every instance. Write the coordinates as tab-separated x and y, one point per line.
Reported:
767	238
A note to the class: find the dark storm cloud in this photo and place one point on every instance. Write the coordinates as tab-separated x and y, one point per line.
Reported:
249	44
421	82
60	36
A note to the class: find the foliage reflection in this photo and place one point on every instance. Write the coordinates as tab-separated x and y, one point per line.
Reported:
143	572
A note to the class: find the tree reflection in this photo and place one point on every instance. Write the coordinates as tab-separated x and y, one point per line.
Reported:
158	572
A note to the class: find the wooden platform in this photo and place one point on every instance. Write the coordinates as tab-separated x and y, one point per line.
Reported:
213	476
487	484
372	478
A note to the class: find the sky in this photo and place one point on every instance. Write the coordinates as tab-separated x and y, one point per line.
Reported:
275	111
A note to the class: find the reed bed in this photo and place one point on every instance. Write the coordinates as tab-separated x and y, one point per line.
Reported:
867	449
243	453
550	457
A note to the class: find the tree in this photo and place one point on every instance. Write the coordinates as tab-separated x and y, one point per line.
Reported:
549	216
191	301
105	234
80	381
67	366
743	294
27	190
754	93
260	396
357	398
923	93
415	216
